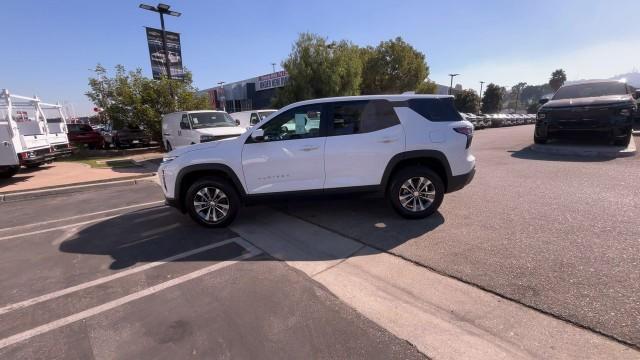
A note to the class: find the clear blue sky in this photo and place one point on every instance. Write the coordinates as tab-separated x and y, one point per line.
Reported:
48	46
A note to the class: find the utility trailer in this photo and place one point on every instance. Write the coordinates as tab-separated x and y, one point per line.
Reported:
31	133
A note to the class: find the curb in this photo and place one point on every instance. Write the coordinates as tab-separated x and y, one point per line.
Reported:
78	187
587	151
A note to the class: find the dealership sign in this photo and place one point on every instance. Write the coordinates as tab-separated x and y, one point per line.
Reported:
158	57
273	80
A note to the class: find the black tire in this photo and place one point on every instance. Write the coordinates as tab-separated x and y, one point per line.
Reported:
540	140
33	166
169	148
396	190
9	171
232	201
624	141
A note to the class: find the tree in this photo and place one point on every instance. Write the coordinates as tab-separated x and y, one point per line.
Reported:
393	66
515	92
492	99
427	87
467	101
533	93
558	78
132	98
320	69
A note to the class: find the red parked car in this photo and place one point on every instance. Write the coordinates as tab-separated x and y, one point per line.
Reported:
80	134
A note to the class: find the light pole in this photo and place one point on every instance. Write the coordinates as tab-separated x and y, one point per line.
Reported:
163	9
451	85
223	98
481	83
273	65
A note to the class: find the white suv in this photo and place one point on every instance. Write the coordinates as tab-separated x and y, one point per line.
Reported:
412	148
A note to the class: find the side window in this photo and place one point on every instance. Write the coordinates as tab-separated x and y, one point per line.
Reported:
184	123
254	119
436	109
299	123
358	117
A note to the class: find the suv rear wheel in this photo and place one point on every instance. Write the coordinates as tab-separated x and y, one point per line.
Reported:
416	192
212	202
539	140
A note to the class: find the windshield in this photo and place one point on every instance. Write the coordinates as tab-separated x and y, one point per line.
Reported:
264	114
211	119
591	90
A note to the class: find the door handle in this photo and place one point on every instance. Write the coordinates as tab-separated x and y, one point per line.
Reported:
387	140
179	132
310	147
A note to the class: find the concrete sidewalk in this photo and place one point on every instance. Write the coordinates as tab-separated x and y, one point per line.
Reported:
72	173
443	317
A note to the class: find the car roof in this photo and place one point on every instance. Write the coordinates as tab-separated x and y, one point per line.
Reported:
401	97
251	111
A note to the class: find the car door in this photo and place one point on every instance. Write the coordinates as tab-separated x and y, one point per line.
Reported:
184	131
290	157
362	137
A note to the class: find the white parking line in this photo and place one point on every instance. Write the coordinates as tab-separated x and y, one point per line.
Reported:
55	294
9	237
82	215
115	303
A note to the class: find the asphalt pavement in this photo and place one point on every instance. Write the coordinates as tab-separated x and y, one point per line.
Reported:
109	274
559	234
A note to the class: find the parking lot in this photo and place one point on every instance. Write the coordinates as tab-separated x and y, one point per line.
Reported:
114	273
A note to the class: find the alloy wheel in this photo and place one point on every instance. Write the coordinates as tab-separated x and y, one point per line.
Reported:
211	204
417	194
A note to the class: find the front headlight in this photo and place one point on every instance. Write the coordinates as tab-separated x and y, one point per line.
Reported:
205	138
167	159
625	112
542	115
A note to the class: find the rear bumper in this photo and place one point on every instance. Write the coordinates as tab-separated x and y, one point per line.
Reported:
457	182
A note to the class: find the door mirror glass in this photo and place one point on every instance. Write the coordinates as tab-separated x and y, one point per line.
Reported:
184	125
257	135
543	101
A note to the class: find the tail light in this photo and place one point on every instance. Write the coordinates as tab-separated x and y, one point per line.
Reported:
467	131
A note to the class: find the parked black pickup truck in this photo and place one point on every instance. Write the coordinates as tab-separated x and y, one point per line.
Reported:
606	106
129	135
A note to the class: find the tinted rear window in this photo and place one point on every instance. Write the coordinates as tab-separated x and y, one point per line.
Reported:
438	109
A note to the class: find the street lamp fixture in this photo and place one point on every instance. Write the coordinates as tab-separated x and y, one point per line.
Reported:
481	83
451	85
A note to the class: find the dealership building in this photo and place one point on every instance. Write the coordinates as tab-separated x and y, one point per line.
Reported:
250	94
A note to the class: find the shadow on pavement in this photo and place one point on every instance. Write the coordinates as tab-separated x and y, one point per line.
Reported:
527	153
158	233
144	236
370	219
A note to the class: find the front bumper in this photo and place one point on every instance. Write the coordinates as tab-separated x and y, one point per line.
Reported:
457	182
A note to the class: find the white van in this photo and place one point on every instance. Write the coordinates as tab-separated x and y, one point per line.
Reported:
193	127
249	118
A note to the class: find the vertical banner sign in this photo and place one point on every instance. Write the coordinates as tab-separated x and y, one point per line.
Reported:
158	58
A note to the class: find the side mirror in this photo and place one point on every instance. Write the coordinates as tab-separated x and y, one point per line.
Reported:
257	135
237	122
543	101
636	95
184	125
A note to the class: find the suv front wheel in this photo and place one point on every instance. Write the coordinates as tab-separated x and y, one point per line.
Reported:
212	202
416	192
